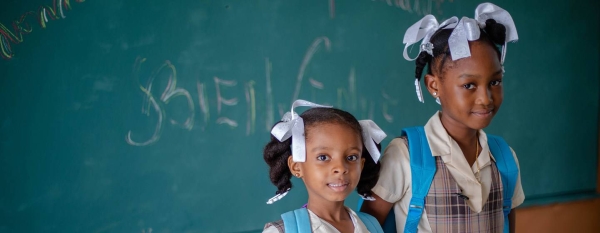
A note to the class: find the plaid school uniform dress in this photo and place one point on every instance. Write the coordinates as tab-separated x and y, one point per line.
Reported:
277	224
449	213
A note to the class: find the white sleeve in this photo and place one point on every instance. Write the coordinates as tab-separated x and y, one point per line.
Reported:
519	195
395	172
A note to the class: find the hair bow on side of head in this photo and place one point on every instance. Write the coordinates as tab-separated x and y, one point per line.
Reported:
468	30
292	125
422	31
487	11
371	134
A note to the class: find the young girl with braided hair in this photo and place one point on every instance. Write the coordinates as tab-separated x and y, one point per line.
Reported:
333	154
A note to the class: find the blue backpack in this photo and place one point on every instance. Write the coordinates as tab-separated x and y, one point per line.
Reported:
423	168
298	221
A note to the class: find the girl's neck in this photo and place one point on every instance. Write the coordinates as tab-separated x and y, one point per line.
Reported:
329	211
466	138
459	132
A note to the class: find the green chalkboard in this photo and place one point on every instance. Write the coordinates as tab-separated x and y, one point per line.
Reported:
139	116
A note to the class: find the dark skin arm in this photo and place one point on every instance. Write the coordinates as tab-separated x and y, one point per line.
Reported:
512	221
378	208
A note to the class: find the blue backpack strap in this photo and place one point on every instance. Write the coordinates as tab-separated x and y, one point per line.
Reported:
508	172
296	221
370	222
422	170
389	225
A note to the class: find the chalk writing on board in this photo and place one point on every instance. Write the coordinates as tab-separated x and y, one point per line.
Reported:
21	26
251	103
348	95
269	119
347	98
225	120
389	118
419	7
170	92
316	84
307	57
203	101
332	9
221	100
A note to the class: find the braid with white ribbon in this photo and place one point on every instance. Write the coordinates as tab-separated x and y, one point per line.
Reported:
372	135
292	125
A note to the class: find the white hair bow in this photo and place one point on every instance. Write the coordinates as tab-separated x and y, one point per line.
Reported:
292	125
423	30
468	29
465	30
487	11
371	134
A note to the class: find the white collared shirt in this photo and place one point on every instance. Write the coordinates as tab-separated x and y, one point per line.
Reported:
394	183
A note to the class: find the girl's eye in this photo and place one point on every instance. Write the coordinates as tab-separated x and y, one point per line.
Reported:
469	86
352	157
322	157
496	82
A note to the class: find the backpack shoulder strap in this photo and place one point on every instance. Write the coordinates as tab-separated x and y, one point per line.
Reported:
508	172
370	222
296	221
422	170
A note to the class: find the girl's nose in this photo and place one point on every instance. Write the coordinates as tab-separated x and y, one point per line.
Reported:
340	167
485	96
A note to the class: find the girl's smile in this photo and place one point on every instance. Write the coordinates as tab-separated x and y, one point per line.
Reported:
339	186
483	113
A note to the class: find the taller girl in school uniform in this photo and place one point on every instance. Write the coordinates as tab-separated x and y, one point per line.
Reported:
464	74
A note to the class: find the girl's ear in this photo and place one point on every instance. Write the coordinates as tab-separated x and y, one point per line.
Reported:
432	83
295	167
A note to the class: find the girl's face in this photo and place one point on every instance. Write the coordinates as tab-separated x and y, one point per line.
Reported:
333	162
471	90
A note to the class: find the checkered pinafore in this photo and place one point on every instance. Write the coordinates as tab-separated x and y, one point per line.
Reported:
448	212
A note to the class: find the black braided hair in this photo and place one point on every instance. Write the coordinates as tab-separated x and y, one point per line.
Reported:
493	34
276	153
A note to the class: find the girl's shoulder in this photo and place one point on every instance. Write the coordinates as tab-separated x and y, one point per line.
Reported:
274	227
397	150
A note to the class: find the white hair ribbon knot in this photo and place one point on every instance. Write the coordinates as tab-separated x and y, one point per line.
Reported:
487	11
465	30
292	125
423	30
458	42
468	29
371	134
